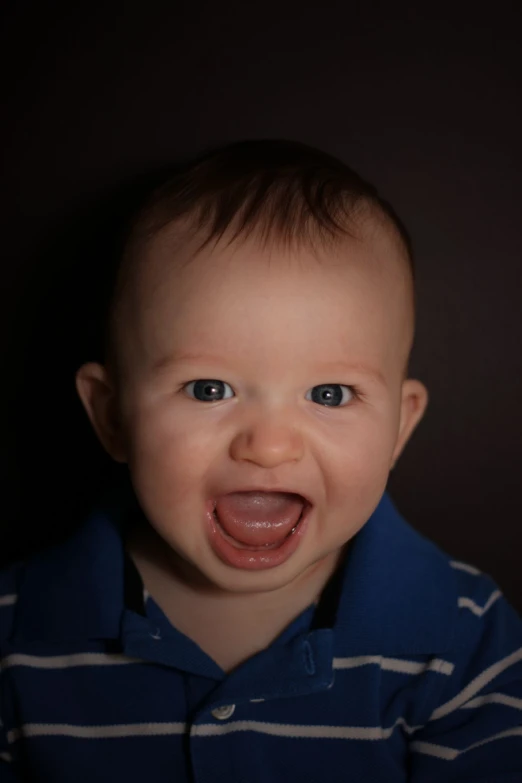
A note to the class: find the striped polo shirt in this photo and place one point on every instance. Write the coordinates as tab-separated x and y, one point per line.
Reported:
409	669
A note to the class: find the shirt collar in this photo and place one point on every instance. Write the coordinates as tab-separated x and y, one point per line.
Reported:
397	590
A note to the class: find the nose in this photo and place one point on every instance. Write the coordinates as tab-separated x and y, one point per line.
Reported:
268	442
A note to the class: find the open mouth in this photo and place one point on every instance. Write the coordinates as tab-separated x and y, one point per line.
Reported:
246	557
263	547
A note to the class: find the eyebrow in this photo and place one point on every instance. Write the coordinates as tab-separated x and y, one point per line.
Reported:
187	358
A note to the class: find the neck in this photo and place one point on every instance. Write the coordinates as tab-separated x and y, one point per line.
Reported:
229	626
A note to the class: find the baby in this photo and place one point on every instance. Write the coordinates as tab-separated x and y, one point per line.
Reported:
249	605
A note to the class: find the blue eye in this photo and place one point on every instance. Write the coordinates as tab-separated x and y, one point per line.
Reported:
327	394
207	390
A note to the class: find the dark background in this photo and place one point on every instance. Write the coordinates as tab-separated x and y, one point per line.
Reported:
422	99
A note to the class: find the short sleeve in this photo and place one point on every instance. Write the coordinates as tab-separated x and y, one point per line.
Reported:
473	731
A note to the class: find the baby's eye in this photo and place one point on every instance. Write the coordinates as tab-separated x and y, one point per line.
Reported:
206	390
331	394
327	394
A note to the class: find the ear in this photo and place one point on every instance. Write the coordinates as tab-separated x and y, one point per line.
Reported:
98	397
414	401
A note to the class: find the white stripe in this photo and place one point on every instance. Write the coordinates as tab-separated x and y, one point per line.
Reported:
96	732
477	684
8	600
300	731
430	749
395	664
493	698
206	730
465	567
468	603
6	757
66	661
449	754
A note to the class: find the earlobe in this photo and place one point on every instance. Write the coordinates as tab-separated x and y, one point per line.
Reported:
97	395
414	401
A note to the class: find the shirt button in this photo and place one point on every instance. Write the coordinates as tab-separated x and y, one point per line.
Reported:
222	713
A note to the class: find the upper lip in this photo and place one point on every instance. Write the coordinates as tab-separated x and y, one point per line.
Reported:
251	488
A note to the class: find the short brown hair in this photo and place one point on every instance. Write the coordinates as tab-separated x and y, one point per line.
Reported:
280	190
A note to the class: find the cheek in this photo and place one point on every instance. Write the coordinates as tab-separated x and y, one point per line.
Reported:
356	467
357	470
362	442
166	450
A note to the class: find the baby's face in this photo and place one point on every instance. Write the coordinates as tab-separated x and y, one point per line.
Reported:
274	335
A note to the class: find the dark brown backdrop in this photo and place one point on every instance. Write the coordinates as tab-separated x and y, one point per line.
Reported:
424	102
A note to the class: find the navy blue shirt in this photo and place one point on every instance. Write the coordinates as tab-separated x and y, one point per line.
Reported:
409	669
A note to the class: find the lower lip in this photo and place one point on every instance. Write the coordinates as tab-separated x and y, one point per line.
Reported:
254	559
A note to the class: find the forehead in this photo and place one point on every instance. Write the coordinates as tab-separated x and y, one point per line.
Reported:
237	299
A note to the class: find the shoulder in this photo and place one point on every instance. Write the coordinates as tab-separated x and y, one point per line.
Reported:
489	628
68	590
477	603
471	719
483	656
403	594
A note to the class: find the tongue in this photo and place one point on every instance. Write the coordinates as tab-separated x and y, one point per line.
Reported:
258	518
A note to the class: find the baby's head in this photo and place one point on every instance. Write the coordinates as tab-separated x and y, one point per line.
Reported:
259	337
